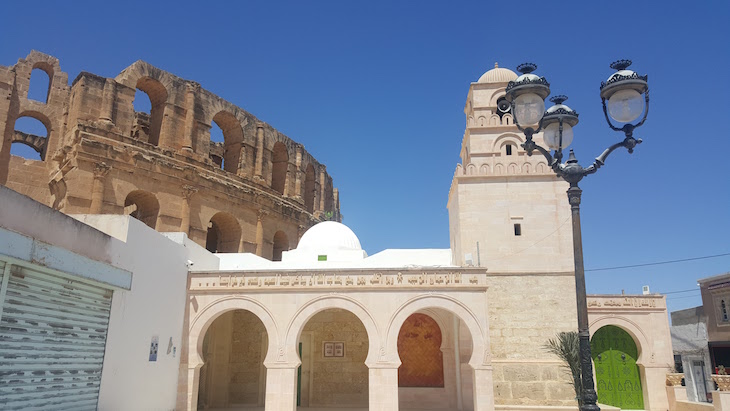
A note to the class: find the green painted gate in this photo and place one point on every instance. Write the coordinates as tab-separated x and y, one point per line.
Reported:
617	375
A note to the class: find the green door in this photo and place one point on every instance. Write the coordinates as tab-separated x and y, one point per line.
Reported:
617	376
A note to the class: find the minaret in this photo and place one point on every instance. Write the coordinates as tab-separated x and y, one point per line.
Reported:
508	212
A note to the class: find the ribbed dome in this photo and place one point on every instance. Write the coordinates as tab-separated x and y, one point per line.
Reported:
498	75
329	235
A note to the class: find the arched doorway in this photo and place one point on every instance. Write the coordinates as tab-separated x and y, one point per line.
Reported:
233	374
618	381
224	234
333	346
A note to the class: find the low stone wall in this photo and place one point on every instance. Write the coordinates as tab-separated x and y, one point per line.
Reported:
693	406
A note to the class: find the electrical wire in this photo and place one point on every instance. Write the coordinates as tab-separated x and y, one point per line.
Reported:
658	262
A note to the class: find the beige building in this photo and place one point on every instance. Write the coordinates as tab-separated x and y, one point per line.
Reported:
325	325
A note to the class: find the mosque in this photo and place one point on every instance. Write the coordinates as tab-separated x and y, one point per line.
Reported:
314	322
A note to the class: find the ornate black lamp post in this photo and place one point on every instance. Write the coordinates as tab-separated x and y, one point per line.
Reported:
621	96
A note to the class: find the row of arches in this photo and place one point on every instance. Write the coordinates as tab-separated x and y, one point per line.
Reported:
502	169
333	346
223	231
228	148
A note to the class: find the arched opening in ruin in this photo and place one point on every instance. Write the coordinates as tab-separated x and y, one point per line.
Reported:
143	206
30	138
309	188
434	347
333	346
281	244
149	109
40	84
233	374
224	234
226	136
280	163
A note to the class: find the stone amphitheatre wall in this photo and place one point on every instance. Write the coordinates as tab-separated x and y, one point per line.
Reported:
257	191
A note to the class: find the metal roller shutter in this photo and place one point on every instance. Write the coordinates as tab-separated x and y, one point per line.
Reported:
52	337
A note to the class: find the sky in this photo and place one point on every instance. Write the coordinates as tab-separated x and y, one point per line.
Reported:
376	91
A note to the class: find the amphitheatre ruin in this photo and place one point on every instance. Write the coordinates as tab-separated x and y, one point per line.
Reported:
256	191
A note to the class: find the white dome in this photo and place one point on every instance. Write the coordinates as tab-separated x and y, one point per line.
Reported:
498	75
329	235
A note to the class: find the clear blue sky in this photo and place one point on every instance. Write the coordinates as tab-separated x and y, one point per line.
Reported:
376	90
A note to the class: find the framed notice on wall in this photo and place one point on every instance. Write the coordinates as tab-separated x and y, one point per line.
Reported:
333	349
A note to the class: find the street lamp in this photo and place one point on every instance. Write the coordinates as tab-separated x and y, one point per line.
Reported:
621	96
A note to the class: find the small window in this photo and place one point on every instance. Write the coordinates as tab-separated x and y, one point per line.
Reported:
321	258
724	310
518	229
508	149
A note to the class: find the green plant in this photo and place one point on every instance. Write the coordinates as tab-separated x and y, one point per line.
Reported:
565	346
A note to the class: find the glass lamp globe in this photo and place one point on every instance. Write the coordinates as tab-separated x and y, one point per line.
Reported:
529	108
551	135
625	105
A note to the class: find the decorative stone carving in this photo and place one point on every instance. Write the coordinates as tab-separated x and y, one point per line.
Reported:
674	379
722	381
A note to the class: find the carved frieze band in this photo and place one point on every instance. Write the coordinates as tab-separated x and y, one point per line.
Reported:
335	280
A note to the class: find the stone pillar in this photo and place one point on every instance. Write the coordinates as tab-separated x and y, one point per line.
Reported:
260	232
259	166
107	101
287	180
298	175
654	383
322	186
721	400
383	387
674	394
193	385
241	170
187	192
281	387
483	388
101	170
336	205
191	89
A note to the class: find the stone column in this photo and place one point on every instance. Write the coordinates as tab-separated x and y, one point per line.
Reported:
260	232
187	193
193	385
383	387
107	101
298	175
191	89
281	387
322	186
101	170
336	205
483	388
241	171
259	166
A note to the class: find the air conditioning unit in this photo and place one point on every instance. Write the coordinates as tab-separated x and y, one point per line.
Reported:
645	290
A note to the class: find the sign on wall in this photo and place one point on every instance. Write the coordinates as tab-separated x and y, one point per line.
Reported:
334	349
